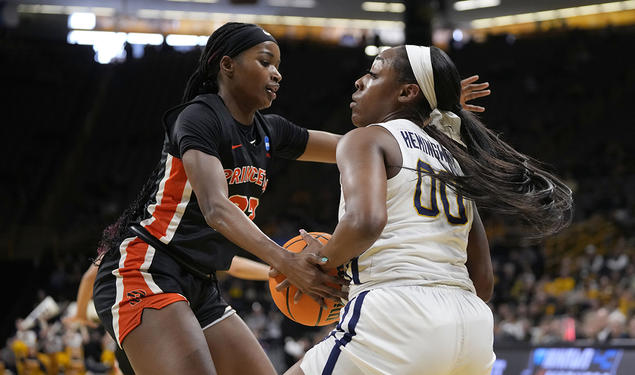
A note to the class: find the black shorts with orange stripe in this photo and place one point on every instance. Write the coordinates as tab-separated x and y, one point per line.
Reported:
136	276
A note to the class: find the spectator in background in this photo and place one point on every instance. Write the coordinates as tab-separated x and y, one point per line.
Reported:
615	327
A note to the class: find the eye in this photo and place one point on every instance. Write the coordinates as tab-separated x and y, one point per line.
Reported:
371	74
265	63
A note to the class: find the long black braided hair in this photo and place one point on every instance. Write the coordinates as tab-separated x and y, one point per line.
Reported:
205	77
203	80
496	176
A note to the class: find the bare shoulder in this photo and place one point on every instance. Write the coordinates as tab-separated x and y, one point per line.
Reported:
367	136
370	140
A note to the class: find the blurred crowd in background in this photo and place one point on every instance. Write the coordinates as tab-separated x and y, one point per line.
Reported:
576	288
83	137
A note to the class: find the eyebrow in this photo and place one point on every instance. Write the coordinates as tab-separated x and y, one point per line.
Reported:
270	54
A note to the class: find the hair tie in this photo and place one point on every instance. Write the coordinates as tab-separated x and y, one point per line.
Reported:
446	122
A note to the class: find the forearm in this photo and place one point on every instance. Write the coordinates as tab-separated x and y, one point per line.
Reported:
85	291
320	147
227	219
248	269
352	236
206	176
83	297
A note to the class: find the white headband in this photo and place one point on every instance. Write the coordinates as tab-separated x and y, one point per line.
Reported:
446	121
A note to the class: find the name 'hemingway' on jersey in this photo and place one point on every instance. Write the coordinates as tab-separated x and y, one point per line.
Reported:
414	140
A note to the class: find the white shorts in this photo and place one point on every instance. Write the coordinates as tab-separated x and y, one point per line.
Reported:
422	330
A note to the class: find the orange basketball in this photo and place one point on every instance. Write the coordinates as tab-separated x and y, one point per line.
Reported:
306	311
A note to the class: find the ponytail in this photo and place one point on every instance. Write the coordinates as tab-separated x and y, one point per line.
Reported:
495	175
503	180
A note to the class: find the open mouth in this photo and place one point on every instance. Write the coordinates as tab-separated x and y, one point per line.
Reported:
271	91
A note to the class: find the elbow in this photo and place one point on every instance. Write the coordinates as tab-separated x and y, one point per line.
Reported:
215	214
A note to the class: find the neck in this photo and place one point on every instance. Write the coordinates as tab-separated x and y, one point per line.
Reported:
239	110
408	115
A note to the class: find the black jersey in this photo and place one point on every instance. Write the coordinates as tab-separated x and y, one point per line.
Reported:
172	215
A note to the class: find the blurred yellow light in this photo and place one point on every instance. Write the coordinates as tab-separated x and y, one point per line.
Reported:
371	50
546	15
475	4
376	6
611	7
549	15
504	20
525	18
568	12
589	9
274	19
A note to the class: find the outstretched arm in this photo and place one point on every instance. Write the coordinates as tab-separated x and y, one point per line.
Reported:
247	269
84	294
206	176
320	147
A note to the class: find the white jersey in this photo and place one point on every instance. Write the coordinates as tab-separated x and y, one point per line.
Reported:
425	238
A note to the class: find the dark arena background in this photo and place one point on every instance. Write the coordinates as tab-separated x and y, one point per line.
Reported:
84	85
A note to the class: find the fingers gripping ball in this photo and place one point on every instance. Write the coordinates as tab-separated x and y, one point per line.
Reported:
306	311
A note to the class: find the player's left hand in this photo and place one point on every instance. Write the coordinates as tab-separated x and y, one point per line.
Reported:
313	247
471	90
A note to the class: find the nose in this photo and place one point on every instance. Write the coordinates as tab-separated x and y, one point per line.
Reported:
277	77
359	83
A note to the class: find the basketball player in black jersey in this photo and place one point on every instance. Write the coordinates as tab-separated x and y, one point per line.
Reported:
155	291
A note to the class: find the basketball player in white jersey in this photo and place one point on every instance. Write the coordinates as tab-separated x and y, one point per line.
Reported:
416	249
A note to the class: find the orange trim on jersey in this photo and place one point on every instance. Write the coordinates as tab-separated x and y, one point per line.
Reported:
172	195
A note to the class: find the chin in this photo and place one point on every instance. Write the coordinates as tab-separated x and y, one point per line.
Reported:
354	119
357	122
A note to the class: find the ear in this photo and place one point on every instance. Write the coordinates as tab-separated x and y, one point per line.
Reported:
227	66
408	93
